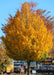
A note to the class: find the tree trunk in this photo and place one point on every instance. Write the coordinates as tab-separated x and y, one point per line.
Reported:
36	66
28	68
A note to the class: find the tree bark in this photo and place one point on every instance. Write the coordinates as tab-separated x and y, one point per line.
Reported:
36	66
28	68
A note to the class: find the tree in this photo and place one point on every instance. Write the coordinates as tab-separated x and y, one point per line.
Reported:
26	36
4	59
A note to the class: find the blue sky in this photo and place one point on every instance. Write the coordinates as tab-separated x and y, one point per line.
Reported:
10	7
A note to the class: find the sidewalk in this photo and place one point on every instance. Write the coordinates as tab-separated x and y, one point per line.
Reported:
23	74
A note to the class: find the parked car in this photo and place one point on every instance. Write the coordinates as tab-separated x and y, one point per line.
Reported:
18	67
46	69
33	70
51	67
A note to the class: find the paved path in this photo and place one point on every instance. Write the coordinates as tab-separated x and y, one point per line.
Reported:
24	74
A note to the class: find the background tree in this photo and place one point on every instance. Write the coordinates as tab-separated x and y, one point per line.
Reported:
4	59
26	36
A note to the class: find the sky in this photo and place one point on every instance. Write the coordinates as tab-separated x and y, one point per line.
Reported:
10	7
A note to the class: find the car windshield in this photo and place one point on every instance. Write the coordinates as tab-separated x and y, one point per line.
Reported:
44	67
17	65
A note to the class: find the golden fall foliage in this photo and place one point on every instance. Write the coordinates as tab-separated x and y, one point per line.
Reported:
26	36
48	21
